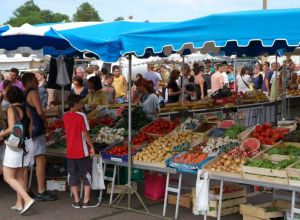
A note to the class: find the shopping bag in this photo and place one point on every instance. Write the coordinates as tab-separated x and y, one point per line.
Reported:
98	176
202	200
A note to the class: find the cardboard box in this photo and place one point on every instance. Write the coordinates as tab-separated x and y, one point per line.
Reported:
185	200
57	184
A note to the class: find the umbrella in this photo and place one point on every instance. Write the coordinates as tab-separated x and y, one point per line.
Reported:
249	32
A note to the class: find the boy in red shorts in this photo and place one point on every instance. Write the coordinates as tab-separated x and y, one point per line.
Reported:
80	151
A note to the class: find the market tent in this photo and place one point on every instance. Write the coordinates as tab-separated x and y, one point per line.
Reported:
249	32
99	38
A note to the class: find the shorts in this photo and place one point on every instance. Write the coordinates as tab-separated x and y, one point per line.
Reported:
80	169
17	159
39	145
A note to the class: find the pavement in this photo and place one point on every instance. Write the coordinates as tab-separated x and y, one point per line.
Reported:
62	209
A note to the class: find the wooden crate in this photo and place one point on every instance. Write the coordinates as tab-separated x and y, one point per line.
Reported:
119	188
226	211
264	174
278	157
228	203
248	217
259	211
293	173
185	200
241	192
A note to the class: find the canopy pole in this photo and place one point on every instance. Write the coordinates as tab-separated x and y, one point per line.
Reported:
276	92
182	78
62	99
129	128
234	70
283	105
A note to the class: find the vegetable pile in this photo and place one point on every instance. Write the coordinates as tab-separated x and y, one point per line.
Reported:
57	124
217	132
221	144
139	119
286	150
189	124
265	163
190	158
160	127
268	135
294	136
227	163
141	138
234	131
121	150
110	135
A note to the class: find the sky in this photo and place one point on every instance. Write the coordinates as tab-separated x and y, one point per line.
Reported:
152	10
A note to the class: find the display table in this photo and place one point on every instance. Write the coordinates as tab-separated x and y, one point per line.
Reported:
223	179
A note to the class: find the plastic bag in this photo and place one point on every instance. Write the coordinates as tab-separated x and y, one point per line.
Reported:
202	199
98	176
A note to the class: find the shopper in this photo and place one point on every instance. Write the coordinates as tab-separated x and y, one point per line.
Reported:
134	92
207	78
153	76
95	96
173	89
78	88
4	102
13	77
266	87
15	163
120	84
79	71
186	81
42	89
224	74
80	151
39	123
244	80
217	79
292	84
148	99
200	84
257	78
108	88
165	76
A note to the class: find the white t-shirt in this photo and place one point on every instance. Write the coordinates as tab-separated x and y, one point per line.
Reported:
241	82
225	76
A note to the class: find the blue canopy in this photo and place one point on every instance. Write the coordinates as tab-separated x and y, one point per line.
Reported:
99	38
250	33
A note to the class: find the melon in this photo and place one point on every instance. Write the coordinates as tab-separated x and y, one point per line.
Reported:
252	143
226	124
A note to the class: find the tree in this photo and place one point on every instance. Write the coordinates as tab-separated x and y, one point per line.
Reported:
86	12
30	13
121	18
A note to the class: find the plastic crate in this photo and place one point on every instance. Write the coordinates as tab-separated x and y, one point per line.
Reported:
137	175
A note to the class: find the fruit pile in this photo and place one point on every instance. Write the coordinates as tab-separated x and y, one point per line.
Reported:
227	189
141	138
162	148
57	124
121	150
190	158
160	127
249	148
107	120
227	163
268	135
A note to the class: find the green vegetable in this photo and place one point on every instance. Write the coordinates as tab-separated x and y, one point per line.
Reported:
234	131
265	163
293	136
287	150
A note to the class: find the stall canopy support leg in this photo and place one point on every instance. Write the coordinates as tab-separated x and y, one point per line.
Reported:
166	195
220	199
112	180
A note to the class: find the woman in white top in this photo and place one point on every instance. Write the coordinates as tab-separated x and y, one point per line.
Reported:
15	162
244	80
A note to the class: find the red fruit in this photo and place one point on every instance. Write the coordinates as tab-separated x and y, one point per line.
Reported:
267	125
258	128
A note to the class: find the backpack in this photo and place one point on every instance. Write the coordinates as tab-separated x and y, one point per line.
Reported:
15	140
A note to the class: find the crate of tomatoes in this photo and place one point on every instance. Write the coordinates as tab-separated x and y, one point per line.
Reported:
160	127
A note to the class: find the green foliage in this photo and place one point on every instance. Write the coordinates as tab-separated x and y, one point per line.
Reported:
234	131
265	163
86	12
30	13
287	150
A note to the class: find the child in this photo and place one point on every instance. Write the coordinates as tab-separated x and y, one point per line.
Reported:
80	151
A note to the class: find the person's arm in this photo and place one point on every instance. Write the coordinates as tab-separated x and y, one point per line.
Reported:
267	84
201	83
10	122
89	142
35	101
171	93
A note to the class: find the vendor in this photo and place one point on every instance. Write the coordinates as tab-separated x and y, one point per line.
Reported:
173	89
108	88
95	96
292	84
148	100
78	88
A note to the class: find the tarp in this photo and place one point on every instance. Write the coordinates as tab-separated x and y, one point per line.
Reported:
249	32
99	38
